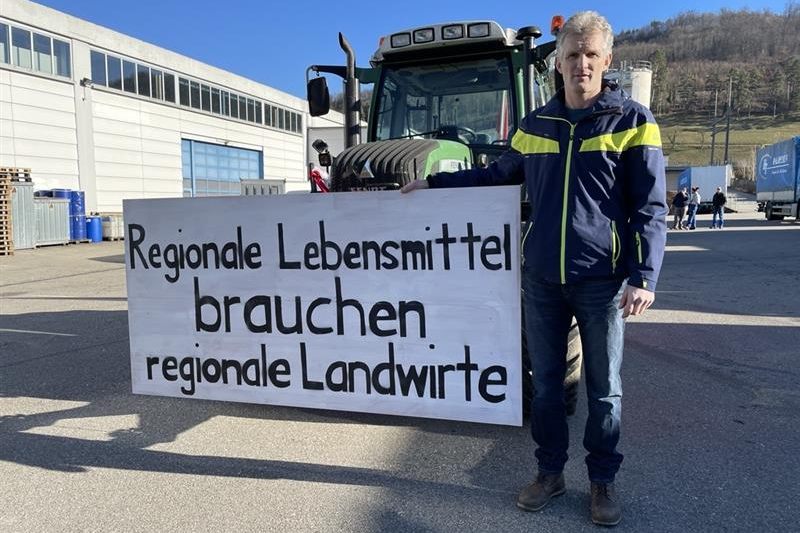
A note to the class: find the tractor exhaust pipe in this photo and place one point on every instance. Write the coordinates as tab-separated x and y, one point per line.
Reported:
352	97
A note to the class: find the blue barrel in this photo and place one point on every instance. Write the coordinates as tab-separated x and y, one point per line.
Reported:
44	193
94	229
77	228
77	215
77	203
61	193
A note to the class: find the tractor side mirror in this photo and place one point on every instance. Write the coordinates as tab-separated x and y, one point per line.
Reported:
319	99
321	147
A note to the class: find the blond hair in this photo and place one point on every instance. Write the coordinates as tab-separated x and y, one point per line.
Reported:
583	23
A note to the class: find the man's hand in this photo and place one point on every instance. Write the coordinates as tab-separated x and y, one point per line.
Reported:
416	184
635	301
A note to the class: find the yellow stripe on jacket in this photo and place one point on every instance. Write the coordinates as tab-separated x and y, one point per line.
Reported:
647	134
525	143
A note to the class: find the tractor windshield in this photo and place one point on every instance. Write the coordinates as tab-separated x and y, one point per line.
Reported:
471	101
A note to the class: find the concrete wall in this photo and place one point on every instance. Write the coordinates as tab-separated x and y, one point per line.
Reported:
37	128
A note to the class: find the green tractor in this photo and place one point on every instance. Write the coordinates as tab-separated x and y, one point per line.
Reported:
446	97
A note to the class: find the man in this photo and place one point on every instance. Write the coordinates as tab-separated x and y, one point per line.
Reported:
679	208
594	169
719	200
694	205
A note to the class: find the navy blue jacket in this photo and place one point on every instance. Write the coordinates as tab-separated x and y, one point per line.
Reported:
596	187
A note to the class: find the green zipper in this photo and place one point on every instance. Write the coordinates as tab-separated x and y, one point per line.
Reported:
615	246
639	247
566	193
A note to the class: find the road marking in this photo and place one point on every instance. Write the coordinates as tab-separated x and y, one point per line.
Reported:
685	249
5	330
669	316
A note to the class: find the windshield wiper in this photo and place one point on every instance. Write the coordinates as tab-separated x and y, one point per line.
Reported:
413	135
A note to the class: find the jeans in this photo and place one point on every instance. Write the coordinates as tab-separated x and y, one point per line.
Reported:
679	213
549	308
718	210
692	219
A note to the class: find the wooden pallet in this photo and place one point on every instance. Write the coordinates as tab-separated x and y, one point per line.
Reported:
15	172
113	238
6	247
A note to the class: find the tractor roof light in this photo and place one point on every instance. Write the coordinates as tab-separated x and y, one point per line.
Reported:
478	30
455	31
424	35
556	23
399	40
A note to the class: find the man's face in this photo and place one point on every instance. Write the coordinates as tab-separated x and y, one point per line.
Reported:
581	62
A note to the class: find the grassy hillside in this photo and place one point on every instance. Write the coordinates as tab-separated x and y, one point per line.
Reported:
687	138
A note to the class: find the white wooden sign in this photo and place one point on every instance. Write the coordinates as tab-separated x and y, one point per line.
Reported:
374	302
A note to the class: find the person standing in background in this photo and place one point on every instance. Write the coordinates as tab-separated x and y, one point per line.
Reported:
694	205
679	208
719	200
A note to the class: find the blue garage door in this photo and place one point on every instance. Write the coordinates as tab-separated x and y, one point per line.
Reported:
215	170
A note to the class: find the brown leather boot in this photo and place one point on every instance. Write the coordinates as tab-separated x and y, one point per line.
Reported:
606	510
535	496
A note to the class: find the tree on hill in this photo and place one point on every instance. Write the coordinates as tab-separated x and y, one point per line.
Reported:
695	54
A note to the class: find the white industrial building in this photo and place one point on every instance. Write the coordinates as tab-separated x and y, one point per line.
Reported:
88	108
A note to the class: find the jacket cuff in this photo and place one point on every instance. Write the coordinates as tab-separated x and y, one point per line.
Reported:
636	280
432	181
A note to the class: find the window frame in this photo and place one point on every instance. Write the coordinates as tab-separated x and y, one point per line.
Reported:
36	53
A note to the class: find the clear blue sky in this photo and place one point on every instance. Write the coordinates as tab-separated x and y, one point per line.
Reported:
274	42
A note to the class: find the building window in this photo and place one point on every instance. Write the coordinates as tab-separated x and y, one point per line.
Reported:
114	72
21	47
129	76
242	108
225	103
169	87
157	83
4	43
42	54
183	89
194	92
215	100
216	170
98	68
143	79
234	106
61	56
51	55
206	97
34	51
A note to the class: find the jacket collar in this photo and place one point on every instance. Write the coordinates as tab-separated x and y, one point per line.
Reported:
610	101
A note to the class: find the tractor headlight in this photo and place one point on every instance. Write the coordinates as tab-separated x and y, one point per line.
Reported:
452	32
400	40
424	35
478	30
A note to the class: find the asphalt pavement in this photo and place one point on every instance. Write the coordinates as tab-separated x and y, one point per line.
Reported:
711	418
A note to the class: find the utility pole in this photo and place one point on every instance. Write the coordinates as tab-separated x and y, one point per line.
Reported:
728	122
716	96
